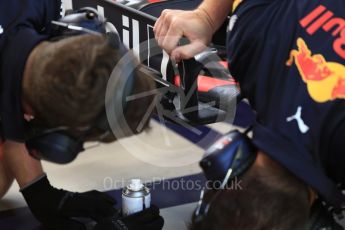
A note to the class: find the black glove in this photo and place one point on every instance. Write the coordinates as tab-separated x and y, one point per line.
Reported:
54	208
149	219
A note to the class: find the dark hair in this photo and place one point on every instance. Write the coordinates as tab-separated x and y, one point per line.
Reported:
68	79
271	198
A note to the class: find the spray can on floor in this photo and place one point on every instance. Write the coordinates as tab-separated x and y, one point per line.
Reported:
135	197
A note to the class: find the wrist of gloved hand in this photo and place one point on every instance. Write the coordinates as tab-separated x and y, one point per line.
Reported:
149	219
55	207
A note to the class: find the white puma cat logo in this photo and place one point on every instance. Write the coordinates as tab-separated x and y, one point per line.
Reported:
302	126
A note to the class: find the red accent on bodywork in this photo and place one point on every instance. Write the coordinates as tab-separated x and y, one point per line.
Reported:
206	83
224	63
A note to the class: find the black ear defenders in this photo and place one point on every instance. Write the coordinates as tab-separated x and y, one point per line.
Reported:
234	152
230	157
57	145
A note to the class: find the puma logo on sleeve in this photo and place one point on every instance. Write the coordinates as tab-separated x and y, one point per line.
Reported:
298	117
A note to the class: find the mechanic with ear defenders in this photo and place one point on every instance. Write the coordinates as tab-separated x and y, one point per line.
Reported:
288	58
24	26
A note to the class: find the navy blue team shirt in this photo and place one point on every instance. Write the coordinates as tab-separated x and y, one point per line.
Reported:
289	59
23	24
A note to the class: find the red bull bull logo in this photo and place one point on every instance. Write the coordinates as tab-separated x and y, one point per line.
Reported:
325	80
322	19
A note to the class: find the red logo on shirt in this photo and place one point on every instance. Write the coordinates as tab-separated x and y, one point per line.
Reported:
321	18
325	80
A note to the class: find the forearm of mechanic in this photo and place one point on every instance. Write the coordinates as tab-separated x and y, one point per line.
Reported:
215	11
23	167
